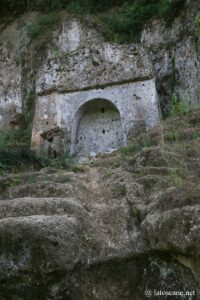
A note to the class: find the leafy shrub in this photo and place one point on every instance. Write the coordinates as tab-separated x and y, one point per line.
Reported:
134	147
28	106
178	106
176	179
15	153
12	159
20	158
128	22
10	139
43	5
14	147
117	25
42	24
44	160
64	161
92	6
20	6
74	7
137	14
170	8
128	19
131	148
26	159
33	30
197	30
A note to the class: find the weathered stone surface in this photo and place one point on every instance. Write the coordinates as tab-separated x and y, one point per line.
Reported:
19	59
134	103
124	225
76	67
10	75
101	65
173	52
83	60
86	70
77	32
79	47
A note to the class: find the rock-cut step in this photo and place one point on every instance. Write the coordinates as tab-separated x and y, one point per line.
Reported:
38	190
37	184
23	207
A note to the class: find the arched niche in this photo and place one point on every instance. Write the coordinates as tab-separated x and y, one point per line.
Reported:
97	128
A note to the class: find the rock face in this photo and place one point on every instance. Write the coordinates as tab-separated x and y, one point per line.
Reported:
10	75
131	103
128	226
125	225
19	61
91	66
78	64
173	51
75	68
87	73
78	51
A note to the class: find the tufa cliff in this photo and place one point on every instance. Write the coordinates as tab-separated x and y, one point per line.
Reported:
126	224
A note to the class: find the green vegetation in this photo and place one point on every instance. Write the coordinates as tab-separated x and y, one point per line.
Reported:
63	161
197	30
28	107
127	22
177	134
42	24
20	6
15	154
12	139
178	106
118	189
176	179
25	159
125	18
133	148
12	160
14	148
174	73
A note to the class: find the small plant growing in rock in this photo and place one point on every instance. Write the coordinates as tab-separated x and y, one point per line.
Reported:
178	106
118	189
133	148
197	31
28	107
42	25
74	7
176	179
14	138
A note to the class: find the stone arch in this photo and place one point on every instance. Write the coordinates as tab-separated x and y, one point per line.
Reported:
97	127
